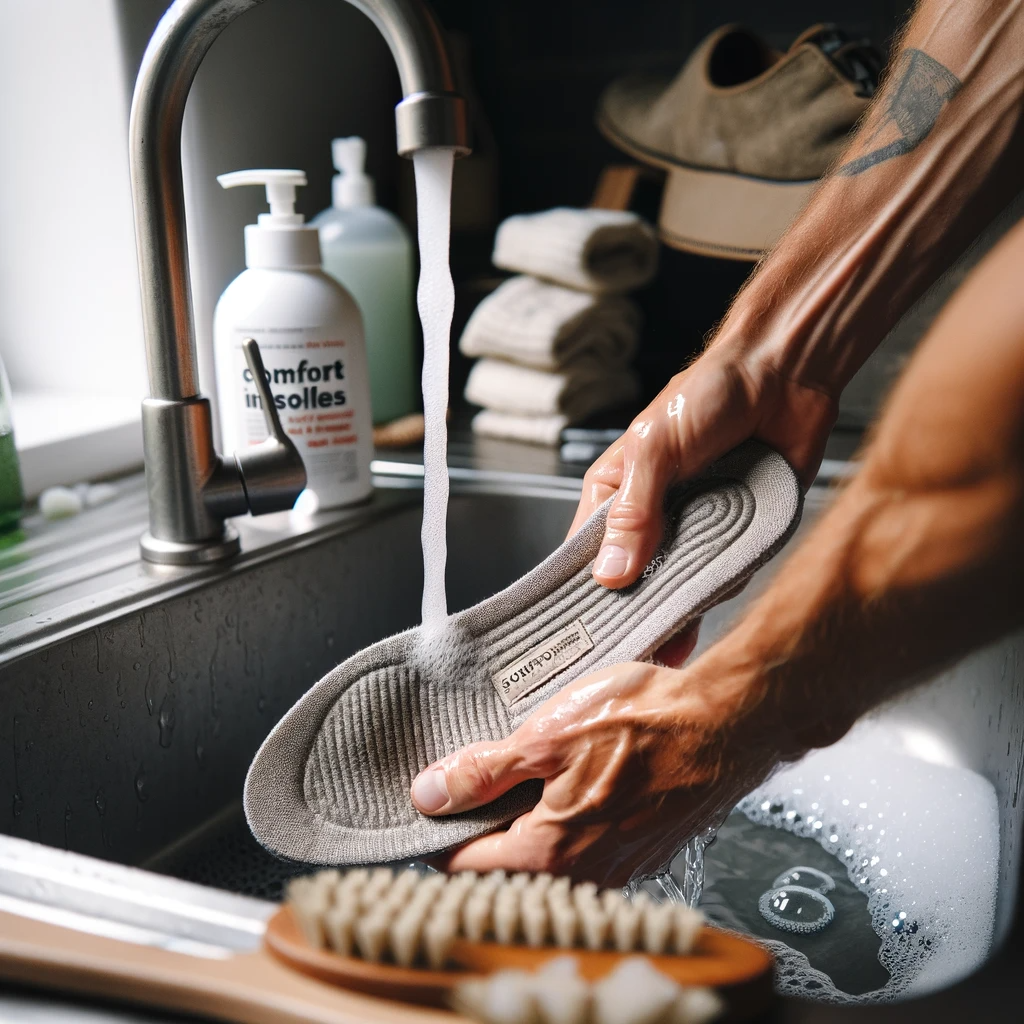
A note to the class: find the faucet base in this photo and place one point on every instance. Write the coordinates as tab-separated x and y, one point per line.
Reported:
174	552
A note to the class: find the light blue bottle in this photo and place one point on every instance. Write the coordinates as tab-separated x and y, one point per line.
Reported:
368	250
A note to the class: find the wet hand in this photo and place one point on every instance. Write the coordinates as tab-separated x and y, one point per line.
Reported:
701	414
635	760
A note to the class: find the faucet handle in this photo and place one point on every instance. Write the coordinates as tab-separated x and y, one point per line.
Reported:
254	358
273	473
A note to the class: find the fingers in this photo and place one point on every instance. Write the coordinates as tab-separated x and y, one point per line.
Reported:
521	848
476	775
674	651
600	483
634	527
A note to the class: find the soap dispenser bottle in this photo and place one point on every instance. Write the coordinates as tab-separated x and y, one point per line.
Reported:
368	250
310	335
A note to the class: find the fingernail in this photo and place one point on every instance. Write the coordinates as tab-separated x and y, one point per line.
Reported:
429	790
611	561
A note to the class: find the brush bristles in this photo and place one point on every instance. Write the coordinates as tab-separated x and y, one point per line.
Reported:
414	919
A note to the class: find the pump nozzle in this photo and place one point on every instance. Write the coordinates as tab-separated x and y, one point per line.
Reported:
280	239
351	187
280	187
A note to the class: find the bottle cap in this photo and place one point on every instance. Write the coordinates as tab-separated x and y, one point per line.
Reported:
352	186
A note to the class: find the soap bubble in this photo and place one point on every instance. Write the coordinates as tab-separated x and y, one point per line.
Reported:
809	878
796	909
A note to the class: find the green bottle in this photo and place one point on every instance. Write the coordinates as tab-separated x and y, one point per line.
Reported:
11	495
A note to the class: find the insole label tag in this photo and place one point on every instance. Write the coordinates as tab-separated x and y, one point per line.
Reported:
538	665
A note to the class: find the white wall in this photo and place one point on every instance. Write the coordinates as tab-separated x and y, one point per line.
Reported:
69	304
278	84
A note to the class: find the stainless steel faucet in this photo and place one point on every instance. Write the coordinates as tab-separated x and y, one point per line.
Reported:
193	489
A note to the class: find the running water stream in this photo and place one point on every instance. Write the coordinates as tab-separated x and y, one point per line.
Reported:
435	298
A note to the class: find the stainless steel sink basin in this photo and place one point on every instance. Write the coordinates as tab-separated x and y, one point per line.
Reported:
126	736
157	712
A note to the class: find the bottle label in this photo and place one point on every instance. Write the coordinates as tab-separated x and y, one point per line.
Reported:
308	377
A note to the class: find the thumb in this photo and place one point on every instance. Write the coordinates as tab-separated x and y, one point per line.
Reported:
473	776
634	525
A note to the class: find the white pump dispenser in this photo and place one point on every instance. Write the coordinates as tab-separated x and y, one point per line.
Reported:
280	238
367	249
310	333
353	186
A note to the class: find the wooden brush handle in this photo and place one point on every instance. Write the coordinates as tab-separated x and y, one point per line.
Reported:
251	988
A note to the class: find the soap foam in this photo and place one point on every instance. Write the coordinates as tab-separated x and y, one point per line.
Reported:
435	298
920	840
797	909
448	653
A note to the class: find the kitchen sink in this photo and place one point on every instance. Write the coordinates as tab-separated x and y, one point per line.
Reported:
130	716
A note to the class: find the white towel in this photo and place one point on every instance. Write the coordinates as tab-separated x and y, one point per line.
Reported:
599	251
547	326
510	427
576	392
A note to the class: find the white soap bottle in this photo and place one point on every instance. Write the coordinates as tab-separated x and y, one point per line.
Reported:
368	250
310	334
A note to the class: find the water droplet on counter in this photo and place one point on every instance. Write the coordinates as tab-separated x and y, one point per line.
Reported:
166	721
140	785
16	805
796	909
101	802
809	878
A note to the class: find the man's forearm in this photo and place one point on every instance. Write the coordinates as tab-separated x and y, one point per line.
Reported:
921	558
939	154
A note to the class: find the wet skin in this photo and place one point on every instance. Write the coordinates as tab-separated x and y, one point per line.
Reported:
918	561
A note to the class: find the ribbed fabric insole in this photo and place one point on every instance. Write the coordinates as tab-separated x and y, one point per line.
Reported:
330	784
392	722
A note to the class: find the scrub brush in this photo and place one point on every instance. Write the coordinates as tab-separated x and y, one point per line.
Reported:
414	919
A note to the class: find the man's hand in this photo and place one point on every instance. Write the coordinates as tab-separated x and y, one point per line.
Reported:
635	759
719	401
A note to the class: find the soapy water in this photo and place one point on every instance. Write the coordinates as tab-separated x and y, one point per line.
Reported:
435	299
740	866
794	908
919	843
683	880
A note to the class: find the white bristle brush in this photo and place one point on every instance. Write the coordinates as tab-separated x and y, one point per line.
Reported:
411	919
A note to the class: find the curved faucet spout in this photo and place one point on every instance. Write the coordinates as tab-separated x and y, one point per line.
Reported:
182	468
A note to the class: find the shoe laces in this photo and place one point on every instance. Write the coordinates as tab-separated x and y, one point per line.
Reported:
857	59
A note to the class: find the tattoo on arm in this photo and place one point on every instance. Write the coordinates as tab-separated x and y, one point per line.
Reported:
917	91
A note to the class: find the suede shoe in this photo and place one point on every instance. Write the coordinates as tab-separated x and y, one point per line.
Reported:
744	131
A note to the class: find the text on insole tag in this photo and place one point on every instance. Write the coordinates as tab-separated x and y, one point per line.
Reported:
540	663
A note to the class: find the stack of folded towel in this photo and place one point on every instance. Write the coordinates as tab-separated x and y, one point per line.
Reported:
554	343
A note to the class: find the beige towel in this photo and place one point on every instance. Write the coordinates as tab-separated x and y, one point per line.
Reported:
509	426
547	326
599	251
576	392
